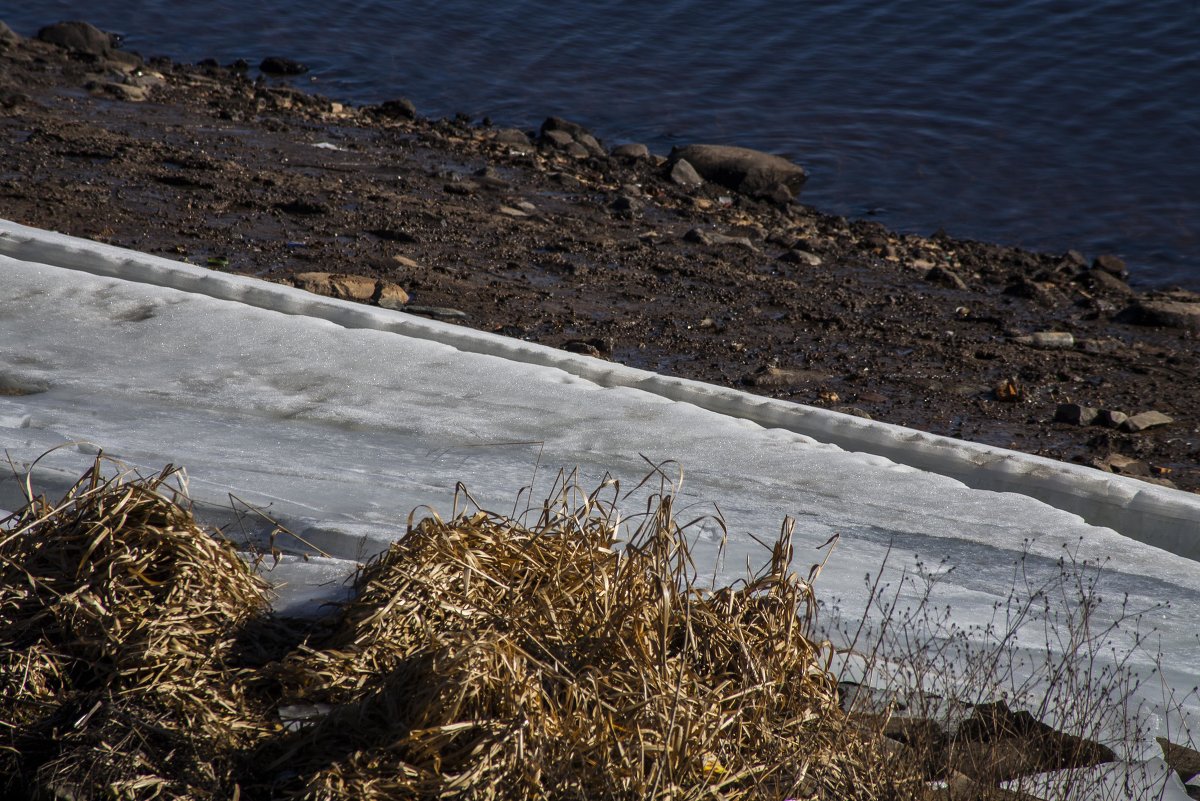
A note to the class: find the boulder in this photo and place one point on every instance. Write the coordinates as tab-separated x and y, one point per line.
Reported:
557	138
1166	312
361	288
512	137
741	169
1111	265
78	37
401	108
684	174
1144	420
346	287
7	35
277	65
1076	414
633	151
572	129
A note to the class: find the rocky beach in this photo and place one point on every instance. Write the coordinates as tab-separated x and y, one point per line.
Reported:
704	264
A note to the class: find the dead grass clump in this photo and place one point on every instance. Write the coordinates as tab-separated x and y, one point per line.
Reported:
485	659
117	612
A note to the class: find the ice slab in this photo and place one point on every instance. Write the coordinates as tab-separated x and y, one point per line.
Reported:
1155	515
339	420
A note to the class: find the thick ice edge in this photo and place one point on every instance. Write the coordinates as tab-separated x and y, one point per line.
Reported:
1166	518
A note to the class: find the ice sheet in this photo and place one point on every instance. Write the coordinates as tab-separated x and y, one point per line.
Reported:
340	429
1155	515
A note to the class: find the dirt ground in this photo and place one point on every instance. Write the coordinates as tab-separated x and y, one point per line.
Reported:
556	240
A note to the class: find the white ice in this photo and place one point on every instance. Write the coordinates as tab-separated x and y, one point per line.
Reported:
339	420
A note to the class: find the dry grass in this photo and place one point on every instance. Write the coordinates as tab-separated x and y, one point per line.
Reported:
117	612
576	657
483	659
480	658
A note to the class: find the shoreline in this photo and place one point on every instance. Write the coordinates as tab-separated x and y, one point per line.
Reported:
555	240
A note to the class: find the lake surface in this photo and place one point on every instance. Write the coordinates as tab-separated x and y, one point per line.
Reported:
1046	124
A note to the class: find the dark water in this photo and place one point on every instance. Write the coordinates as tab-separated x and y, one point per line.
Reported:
1050	125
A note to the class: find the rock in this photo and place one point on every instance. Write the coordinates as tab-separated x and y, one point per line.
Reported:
596	347
1111	418
556	138
7	35
359	288
1122	464
1105	281
683	174
782	377
798	256
1024	288
401	108
346	287
1111	265
940	275
702	237
512	137
121	91
277	65
509	211
631	152
1144	420
1184	761
78	37
1073	259
576	150
1047	340
590	142
437	312
741	169
996	743
1167	313
572	129
1076	414
390	296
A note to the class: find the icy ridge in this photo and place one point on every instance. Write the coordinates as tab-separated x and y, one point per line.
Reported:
1162	517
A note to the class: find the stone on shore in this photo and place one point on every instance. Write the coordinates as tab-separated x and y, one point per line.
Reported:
741	169
78	37
683	174
1144	420
571	137
1111	265
7	35
633	151
359	288
401	109
1177	310
277	65
1076	414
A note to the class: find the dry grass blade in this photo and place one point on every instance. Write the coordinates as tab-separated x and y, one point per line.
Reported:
116	612
479	659
484	659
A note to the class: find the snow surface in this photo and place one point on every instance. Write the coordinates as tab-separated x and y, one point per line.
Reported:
340	419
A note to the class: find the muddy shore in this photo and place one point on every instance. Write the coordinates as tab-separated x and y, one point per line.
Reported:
549	235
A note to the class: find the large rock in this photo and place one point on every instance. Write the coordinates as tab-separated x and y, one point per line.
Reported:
360	288
78	37
7	35
741	169
1177	310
